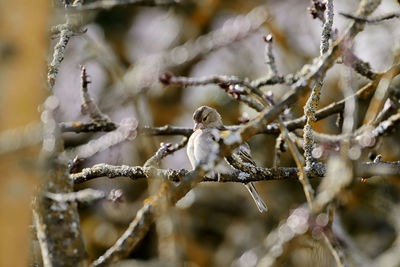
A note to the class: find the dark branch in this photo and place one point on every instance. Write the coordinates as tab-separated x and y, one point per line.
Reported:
372	20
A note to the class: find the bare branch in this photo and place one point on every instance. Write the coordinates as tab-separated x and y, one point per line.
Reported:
371	20
85	127
108	4
164	150
327	28
88	105
258	174
269	57
83	196
381	94
58	54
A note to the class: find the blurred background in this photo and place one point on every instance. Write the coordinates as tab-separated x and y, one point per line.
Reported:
125	49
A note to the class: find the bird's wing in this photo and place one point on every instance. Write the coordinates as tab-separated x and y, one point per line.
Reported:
241	158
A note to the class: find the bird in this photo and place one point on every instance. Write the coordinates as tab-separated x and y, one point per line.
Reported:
207	130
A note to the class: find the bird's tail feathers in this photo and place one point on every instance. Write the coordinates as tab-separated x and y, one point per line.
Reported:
256	197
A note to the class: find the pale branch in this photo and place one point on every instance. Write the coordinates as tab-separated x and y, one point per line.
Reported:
88	105
138	172
108	4
371	20
87	195
99	123
381	94
388	109
383	128
225	82
58	54
132	235
364	170
164	150
269	56
313	101
361	67
387	125
56	30
20	138
279	149
327	27
233	85
381	168
41	235
289	79
166	130
125	132
309	111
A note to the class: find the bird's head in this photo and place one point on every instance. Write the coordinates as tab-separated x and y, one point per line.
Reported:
206	118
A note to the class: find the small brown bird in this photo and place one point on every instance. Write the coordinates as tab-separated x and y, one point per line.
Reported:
203	142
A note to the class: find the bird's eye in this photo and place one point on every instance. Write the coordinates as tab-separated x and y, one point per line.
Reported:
205	118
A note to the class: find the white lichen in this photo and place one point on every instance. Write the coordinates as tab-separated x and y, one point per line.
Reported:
243	176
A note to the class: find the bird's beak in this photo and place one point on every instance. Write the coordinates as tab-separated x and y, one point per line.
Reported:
198	126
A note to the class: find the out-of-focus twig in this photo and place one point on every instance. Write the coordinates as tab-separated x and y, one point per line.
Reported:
140	77
125	131
83	196
132	235
108	4
361	67
167	244
371	20
381	94
20	138
85	127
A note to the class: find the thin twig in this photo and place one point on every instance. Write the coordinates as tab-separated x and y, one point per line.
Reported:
269	56
58	54
164	150
83	196
371	20
381	94
85	127
88	105
108	4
